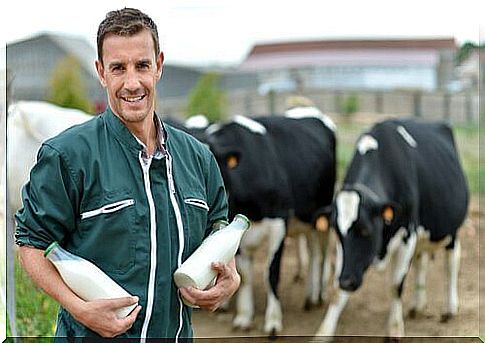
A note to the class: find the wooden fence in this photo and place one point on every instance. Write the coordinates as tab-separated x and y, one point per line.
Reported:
457	108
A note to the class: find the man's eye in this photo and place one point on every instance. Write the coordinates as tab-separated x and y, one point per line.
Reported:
144	66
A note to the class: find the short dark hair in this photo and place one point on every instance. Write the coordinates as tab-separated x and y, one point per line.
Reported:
126	22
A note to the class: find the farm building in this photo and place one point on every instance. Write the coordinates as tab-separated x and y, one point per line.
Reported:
32	61
385	64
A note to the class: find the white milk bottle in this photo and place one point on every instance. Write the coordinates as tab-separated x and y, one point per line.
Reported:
220	246
85	279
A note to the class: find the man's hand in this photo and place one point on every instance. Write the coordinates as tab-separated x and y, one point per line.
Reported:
227	283
100	315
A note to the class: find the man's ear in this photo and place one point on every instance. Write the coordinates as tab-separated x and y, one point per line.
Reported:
159	62
100	70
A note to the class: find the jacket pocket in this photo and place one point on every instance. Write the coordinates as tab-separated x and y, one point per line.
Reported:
109	208
108	232
197	210
197	202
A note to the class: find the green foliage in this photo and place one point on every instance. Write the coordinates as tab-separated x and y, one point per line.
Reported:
67	88
350	105
465	51
36	312
207	98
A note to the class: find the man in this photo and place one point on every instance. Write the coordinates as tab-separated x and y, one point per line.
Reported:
128	193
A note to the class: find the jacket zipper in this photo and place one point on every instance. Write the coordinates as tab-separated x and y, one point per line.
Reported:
153	247
110	208
180	228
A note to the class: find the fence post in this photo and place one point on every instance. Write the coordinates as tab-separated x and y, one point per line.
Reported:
338	102
379	103
248	104
417	103
469	106
272	102
446	107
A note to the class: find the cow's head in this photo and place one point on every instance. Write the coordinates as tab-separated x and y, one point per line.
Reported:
360	219
248	163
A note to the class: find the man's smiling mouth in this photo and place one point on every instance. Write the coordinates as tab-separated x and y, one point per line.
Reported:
133	99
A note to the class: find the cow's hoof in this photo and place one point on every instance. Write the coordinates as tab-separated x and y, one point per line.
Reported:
273	335
273	329
446	317
412	313
310	305
242	323
297	278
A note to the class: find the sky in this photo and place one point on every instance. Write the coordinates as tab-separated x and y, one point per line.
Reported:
217	32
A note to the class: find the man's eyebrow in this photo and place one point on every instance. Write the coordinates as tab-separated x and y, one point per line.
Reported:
114	64
144	60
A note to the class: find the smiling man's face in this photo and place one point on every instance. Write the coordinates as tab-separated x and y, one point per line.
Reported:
130	72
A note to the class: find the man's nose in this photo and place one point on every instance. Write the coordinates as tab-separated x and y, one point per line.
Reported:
132	80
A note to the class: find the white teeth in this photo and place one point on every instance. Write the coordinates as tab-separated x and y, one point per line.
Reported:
138	98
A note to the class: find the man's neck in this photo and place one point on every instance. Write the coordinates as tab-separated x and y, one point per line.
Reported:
145	131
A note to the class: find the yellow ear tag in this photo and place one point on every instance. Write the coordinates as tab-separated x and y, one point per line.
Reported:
388	214
322	224
232	161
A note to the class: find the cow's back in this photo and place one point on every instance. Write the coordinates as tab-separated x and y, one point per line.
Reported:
306	150
443	189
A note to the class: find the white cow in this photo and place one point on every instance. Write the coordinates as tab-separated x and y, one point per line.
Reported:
29	123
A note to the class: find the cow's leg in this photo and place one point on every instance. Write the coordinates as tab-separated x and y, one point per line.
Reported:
338	302
329	324
421	268
401	262
273	322
316	282
453	267
245	303
303	258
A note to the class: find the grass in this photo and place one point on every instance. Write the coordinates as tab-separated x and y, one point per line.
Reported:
36	312
466	138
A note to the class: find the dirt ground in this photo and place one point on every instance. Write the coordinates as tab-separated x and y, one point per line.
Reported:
367	310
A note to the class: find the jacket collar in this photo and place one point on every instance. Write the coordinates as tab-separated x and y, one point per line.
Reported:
124	135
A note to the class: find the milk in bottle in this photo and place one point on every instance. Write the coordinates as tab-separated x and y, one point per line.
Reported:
85	278
219	246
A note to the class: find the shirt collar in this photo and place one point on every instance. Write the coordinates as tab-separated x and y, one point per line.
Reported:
160	137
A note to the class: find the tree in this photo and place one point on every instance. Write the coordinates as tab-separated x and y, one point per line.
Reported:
465	51
67	87
207	98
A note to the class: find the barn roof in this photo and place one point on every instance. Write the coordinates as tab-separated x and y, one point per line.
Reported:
365	52
75	46
436	43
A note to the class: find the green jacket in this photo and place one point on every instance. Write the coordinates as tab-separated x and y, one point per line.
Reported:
89	192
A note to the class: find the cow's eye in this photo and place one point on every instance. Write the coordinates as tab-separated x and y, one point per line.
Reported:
364	231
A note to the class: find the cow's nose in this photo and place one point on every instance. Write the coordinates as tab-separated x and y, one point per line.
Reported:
349	283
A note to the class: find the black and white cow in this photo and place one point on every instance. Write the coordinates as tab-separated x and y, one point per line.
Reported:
280	172
404	195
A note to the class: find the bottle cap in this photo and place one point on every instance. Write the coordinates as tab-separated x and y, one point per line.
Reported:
50	247
243	217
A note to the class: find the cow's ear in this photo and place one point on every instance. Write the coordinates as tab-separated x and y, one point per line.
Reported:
389	212
232	160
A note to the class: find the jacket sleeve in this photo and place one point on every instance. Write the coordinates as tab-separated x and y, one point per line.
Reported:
216	194
49	200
